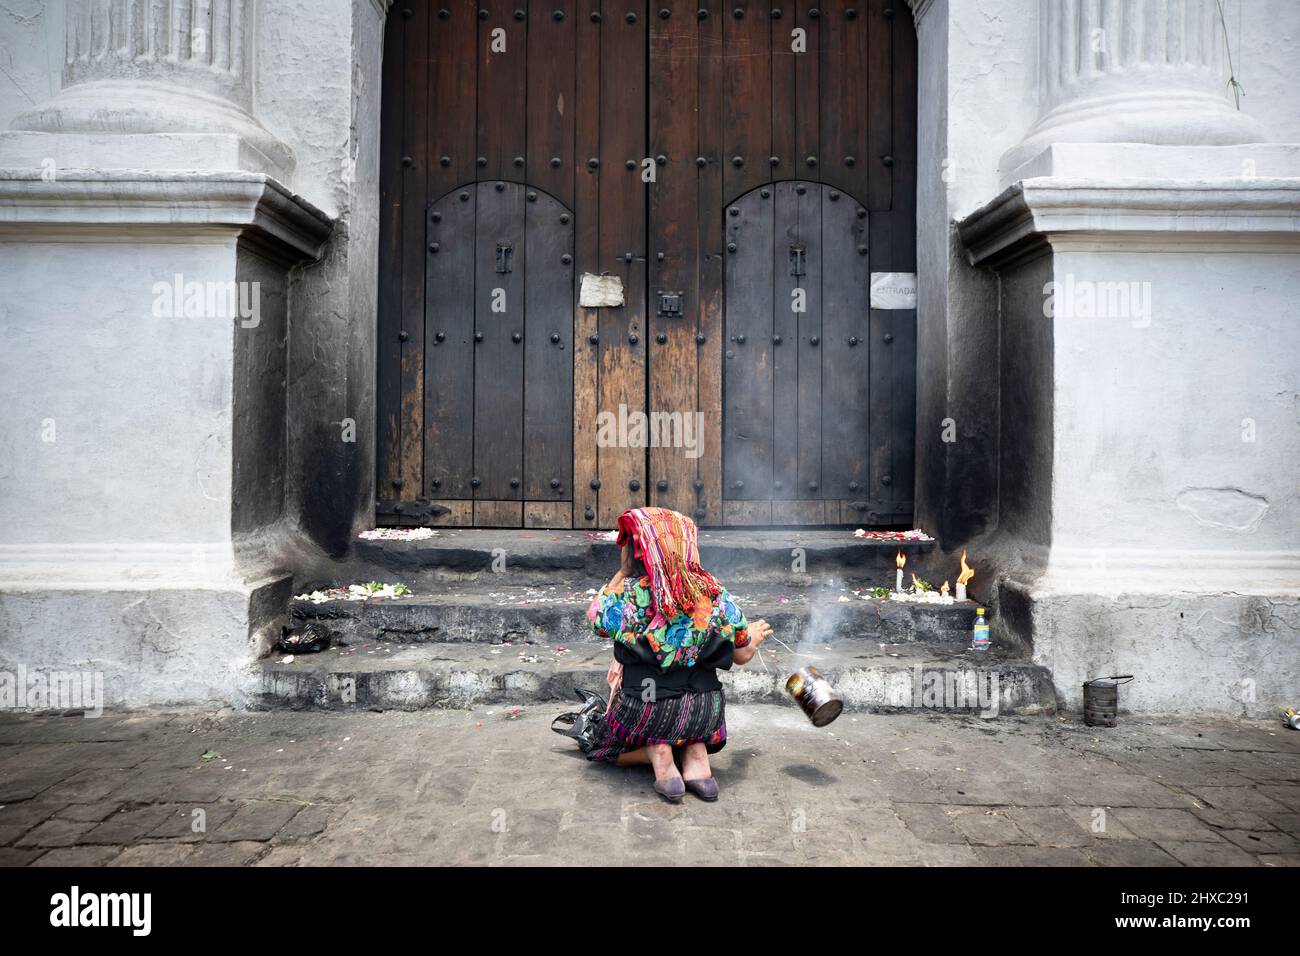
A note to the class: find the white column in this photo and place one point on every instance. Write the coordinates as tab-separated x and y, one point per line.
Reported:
1133	71
158	66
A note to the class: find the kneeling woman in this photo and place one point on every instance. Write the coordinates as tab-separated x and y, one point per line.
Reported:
673	627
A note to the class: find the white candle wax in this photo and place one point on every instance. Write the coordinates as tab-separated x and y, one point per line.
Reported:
898	580
961	591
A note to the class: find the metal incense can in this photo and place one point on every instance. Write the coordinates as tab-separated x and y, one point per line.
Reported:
817	698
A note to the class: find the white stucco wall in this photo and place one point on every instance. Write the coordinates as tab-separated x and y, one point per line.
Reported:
31	54
1175	426
304	84
992	92
1265	35
139	406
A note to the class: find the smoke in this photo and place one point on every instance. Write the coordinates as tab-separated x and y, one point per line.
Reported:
825	624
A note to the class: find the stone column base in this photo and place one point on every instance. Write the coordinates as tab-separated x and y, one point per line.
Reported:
142	450
1206	653
151	645
1146	419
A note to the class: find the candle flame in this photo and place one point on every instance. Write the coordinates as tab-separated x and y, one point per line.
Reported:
944	589
916	585
967	572
900	559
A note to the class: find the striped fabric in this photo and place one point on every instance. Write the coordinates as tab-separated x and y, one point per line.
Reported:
668	543
689	719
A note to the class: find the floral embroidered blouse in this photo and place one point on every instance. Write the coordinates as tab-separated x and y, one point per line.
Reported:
684	641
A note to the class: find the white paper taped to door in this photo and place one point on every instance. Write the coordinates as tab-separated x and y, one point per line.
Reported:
599	292
893	290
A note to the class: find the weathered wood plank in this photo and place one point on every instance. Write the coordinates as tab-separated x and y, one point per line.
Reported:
388	352
807	67
499	359
903	205
711	319
846	362
783	162
747	512
502	91
845	99
883	409
453	83
893	232
903	213
586	353
552	68
415	163
460	514
548	514
747	448
449	346
548	345
498	514
622	245
747	127
786	346
673	259
811	345
804	512
893	409
879	106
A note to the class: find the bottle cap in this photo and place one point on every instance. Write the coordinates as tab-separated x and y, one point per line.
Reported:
979	610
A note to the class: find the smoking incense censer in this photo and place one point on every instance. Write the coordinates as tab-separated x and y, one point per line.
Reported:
817	697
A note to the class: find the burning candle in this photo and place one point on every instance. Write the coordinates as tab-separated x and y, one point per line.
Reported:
899	560
967	572
944	590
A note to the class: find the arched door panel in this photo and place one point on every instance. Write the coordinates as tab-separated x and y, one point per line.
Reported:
498	352
817	389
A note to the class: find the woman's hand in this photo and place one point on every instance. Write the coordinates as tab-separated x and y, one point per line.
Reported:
628	566
626	569
758	632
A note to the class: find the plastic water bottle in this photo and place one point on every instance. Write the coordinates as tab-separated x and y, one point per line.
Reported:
980	635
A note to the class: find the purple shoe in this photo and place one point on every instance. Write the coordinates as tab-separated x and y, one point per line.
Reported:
706	789
671	790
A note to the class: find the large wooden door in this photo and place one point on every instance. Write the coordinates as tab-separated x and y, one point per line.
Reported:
685	149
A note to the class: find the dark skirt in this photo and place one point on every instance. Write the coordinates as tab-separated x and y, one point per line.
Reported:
688	719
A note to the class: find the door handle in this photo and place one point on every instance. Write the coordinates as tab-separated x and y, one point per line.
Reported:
797	252
505	252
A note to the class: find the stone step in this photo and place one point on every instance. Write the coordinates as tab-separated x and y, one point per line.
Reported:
732	555
870	677
556	614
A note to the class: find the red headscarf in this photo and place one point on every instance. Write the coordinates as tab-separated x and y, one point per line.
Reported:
668	544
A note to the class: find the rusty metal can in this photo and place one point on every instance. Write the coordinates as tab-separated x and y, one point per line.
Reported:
1101	700
817	698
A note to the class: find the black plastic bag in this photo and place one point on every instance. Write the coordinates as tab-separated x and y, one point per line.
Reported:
586	726
312	639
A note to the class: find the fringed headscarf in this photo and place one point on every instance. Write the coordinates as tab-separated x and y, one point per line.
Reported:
671	554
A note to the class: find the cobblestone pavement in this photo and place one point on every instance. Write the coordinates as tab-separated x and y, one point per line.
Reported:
496	787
